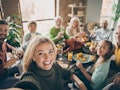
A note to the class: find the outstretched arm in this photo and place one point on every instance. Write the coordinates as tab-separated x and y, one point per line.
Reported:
80	84
83	70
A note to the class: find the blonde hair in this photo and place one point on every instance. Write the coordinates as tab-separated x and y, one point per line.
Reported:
74	19
29	53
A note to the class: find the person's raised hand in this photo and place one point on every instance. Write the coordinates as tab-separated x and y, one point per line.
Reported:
79	65
60	35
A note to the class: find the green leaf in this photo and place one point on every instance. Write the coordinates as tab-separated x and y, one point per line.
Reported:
14	35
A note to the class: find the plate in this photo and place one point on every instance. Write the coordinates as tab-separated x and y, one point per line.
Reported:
83	58
62	64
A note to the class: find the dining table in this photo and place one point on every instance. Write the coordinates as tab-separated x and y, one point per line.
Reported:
71	64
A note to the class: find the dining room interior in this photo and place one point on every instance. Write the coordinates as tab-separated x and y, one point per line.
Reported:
90	46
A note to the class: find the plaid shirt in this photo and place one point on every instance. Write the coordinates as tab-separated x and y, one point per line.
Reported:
3	57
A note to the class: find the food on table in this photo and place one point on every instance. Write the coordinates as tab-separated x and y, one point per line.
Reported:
81	57
70	55
84	39
59	46
92	57
88	44
94	44
79	54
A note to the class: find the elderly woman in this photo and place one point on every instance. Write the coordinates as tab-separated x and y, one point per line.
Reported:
57	32
74	27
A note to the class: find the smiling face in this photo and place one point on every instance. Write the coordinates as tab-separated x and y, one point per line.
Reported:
32	28
75	24
117	35
58	22
44	56
3	32
104	24
102	48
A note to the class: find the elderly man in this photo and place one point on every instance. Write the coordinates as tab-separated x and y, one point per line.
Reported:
6	71
57	32
103	32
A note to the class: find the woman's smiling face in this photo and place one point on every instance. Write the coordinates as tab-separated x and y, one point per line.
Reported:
102	48
75	24
44	56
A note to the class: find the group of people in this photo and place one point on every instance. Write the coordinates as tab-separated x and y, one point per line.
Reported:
40	69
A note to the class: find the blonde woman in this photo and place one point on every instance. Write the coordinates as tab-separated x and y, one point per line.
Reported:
74	27
41	72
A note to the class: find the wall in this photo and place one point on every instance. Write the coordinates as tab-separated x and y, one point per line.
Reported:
64	10
93	10
10	7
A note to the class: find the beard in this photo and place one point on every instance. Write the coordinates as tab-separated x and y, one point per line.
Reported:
2	37
58	26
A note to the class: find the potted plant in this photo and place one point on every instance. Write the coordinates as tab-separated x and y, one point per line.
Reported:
14	36
116	11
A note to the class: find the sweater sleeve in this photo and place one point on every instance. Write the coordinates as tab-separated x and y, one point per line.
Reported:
28	82
52	34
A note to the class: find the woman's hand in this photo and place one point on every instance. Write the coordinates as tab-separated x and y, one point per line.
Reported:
79	65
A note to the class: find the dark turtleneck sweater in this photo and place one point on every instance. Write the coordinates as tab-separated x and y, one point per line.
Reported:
38	79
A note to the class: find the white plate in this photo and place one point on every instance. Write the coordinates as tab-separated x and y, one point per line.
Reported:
87	56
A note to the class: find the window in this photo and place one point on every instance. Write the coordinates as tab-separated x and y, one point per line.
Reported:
42	11
106	11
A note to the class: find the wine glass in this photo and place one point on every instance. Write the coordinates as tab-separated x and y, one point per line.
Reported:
60	51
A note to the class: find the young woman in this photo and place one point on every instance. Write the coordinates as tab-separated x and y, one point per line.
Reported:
41	72
105	49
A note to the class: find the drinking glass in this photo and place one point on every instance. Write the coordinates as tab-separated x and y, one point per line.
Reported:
70	55
60	52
